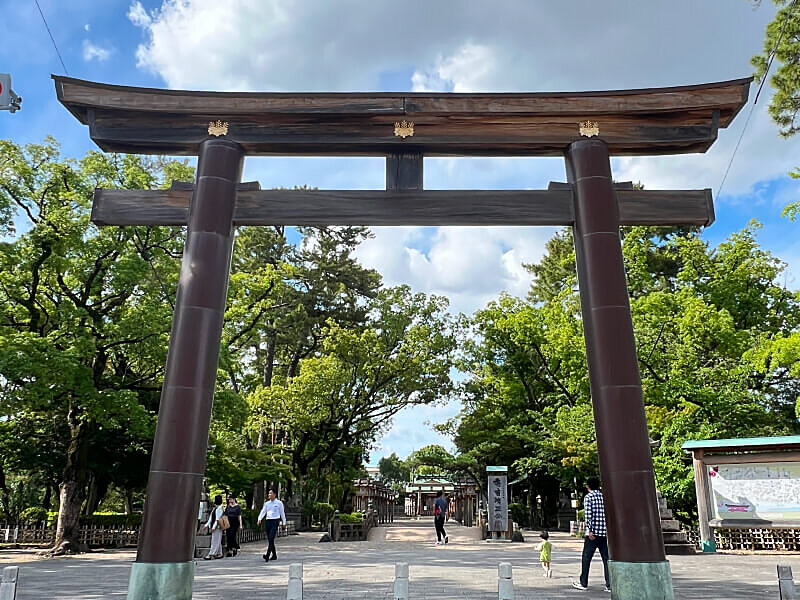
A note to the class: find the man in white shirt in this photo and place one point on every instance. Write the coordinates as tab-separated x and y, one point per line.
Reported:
273	511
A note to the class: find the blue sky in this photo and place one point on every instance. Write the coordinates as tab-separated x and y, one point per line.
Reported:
355	45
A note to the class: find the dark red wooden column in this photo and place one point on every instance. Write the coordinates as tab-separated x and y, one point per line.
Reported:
179	453
626	467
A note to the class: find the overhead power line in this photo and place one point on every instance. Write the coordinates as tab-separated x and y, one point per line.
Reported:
52	39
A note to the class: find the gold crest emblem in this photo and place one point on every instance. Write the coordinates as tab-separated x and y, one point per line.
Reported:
218	128
404	128
589	128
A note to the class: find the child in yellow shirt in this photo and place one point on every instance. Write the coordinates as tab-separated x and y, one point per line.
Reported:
545	551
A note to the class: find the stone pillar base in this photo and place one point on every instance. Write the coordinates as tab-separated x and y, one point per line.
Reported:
161	581
640	581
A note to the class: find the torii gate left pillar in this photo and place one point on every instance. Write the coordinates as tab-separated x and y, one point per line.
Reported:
164	566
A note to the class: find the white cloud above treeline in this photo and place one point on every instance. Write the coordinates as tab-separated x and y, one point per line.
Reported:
448	45
94	52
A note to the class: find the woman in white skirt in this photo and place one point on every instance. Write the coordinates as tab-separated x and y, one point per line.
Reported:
216	532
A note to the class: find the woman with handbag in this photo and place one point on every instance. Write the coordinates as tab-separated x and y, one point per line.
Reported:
216	529
234	514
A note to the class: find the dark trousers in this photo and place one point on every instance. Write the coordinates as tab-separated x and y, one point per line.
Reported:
438	522
272	531
600	542
230	535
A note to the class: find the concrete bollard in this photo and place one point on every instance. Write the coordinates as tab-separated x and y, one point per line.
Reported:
786	586
505	582
295	590
8	583
401	581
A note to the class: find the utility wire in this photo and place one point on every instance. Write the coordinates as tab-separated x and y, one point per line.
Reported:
775	48
758	93
51	37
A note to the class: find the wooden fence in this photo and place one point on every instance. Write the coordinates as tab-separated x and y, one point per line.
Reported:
106	535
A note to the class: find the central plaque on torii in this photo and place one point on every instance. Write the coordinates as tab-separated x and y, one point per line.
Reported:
221	128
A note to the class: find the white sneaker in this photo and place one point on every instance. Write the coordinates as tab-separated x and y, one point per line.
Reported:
577	585
438	543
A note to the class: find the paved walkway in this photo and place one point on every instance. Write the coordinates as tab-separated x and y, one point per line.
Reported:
465	568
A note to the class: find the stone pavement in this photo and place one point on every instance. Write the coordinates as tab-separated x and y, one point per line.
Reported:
465	568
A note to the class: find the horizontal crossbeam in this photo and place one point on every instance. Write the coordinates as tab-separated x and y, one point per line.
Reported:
415	208
674	120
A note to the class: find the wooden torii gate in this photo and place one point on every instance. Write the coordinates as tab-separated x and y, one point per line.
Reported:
221	128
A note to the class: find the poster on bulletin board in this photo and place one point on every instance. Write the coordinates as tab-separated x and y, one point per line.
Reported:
756	491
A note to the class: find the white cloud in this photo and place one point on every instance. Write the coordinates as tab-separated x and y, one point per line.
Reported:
350	45
317	45
138	15
91	52
469	265
467	70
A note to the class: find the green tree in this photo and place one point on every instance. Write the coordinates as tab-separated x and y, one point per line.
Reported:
282	298
717	343
430	460
84	318
393	469
782	44
339	400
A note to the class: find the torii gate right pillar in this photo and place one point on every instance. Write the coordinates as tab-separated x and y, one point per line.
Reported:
638	567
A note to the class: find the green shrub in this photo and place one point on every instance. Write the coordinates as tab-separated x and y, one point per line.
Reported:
33	514
356	517
113	520
323	512
519	514
582	514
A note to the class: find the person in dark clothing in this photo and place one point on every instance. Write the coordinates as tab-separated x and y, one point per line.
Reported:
595	538
439	515
234	514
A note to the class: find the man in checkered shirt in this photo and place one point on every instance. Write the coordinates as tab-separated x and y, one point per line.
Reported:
595	533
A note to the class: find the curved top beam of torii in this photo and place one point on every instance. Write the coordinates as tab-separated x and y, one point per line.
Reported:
672	120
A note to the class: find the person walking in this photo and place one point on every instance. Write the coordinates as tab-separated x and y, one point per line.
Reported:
545	553
216	532
595	536
439	515
275	514
234	514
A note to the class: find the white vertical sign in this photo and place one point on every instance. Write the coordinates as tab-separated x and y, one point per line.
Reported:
498	502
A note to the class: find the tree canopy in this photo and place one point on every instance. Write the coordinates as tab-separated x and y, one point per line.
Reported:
782	44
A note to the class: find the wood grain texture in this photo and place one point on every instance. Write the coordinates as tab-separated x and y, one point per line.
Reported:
726	95
404	171
632	122
374	135
411	207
